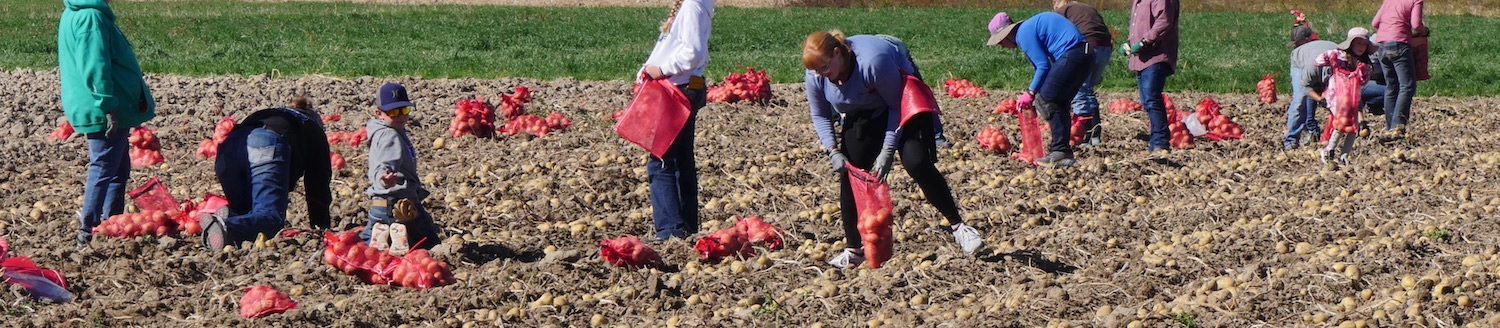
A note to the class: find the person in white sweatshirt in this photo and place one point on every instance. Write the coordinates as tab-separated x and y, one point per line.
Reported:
680	55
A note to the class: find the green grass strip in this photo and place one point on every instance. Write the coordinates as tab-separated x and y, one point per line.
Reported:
1222	52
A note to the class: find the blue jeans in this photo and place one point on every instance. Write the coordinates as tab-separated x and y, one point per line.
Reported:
254	170
674	179
108	172
1061	84
1152	81
1086	103
420	232
1400	82
1373	96
1301	115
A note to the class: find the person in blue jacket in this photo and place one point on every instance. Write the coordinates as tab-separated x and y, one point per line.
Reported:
1061	59
855	83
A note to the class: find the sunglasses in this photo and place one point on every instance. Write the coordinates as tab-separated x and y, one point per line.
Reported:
399	112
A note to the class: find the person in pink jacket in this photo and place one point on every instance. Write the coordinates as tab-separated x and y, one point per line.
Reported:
1396	24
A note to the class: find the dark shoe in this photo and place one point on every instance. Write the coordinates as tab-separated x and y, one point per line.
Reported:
214	235
942	142
1057	159
83	240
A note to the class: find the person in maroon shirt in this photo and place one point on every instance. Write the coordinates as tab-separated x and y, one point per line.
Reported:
1101	44
1152	49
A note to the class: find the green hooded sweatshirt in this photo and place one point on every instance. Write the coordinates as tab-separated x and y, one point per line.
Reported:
99	72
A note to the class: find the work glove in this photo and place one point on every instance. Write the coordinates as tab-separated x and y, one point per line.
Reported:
883	164
1024	100
1130	49
837	160
404	211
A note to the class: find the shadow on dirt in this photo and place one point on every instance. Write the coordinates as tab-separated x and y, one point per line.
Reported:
1033	259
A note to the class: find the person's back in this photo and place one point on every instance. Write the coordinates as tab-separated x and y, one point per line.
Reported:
1089	22
259	164
1397	20
1047	35
1304	58
98	70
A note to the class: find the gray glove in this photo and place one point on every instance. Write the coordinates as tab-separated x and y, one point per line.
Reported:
112	126
837	160
883	163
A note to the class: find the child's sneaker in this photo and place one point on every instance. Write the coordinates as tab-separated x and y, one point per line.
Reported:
399	243
380	236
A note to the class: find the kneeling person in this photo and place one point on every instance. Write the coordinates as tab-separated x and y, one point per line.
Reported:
258	164
397	220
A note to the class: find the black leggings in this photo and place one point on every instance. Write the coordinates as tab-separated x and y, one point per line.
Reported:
862	137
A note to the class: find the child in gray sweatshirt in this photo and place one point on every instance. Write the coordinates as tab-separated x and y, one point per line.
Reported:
397	221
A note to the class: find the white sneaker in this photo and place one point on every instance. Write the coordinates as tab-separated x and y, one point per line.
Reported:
380	236
1323	155
967	238
851	257
399	244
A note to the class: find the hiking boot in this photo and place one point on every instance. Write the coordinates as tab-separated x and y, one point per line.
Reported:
1057	159
851	257
968	238
214	234
1094	138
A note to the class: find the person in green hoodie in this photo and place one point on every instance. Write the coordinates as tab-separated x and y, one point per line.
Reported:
104	95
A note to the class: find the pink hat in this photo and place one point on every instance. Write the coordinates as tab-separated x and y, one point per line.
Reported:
1000	20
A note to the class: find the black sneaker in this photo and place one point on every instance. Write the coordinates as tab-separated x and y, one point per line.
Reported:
214	235
1057	159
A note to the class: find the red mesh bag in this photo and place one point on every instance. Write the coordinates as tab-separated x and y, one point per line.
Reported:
260	301
63	132
658	112
1124	106
1266	90
993	140
873	200
961	89
345	252
1006	107
1031	137
629	252
153	196
760	233
729	242
418	270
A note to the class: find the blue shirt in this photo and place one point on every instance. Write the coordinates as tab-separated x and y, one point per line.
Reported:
1045	38
878	77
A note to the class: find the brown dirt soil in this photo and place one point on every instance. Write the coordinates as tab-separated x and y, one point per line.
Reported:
1229	234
